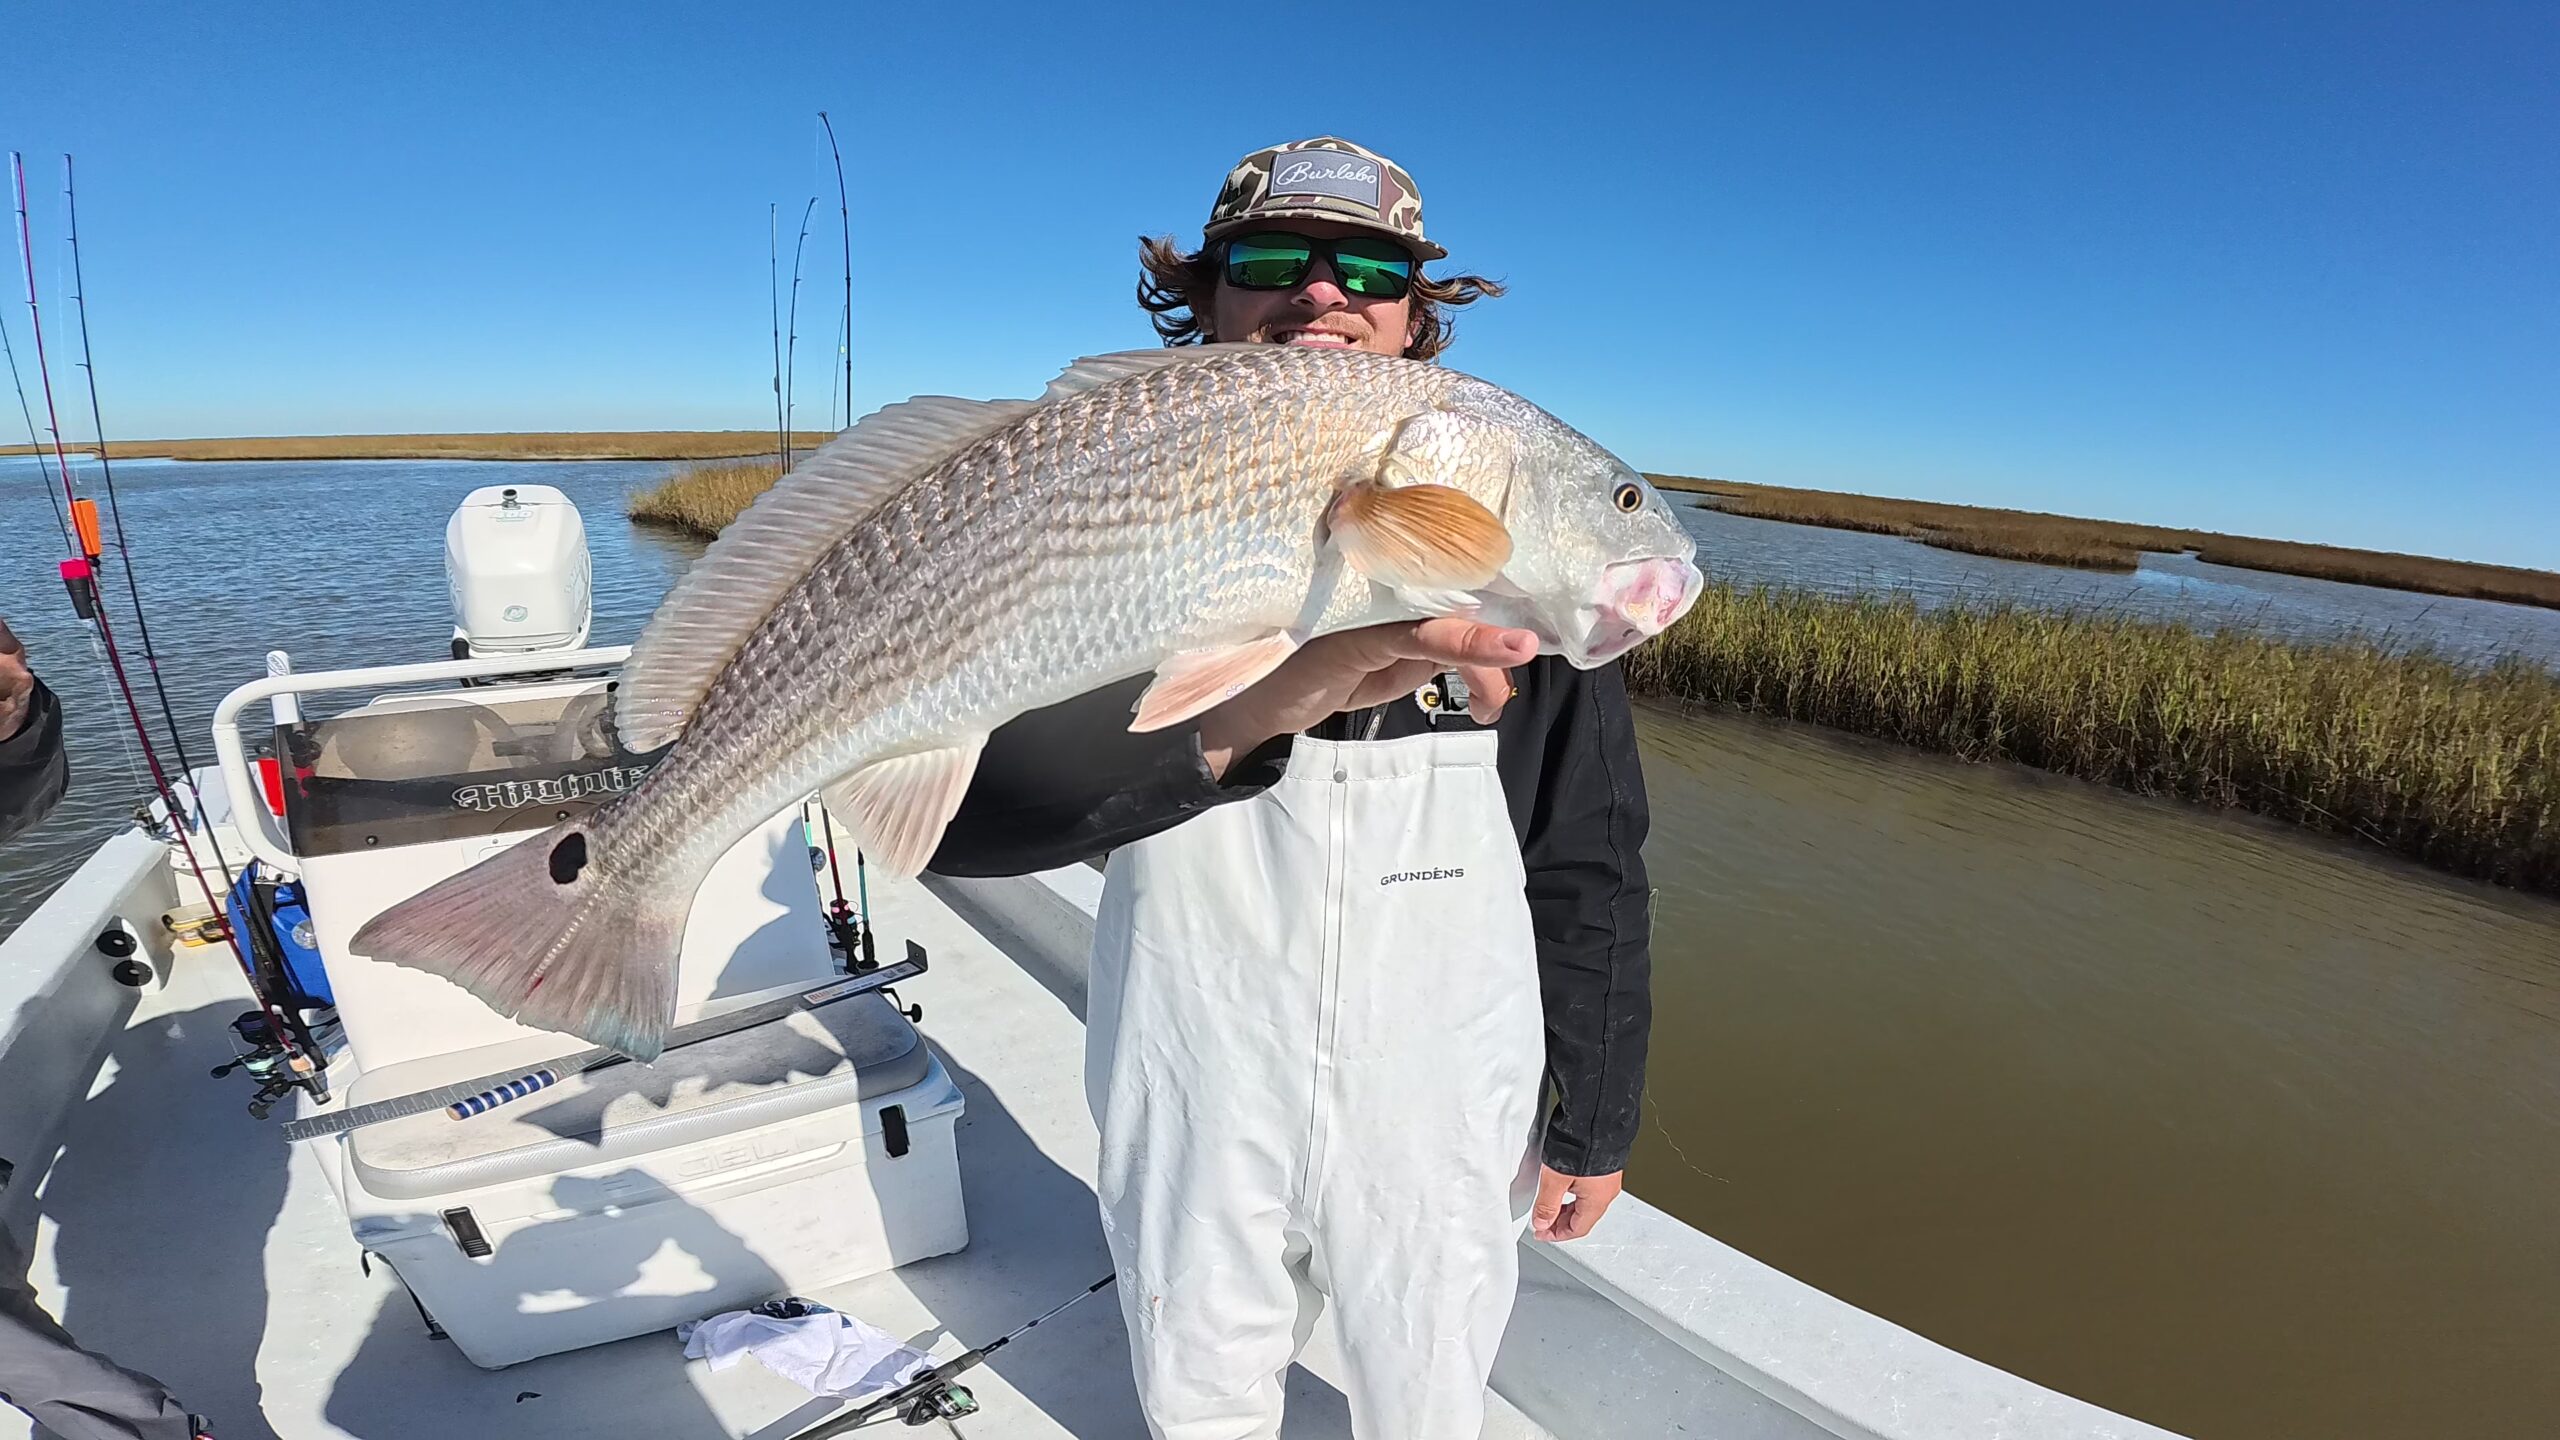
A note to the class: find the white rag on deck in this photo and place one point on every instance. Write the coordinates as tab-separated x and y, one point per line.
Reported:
826	1353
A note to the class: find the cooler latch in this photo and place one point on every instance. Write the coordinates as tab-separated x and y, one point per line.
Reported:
466	1233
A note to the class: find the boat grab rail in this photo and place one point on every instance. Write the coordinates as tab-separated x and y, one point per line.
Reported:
257	827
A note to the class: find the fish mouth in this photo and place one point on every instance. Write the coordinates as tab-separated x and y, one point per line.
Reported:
1637	600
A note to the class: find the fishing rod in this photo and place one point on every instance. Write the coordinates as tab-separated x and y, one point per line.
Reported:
80	574
931	1396
791	346
115	510
833	425
844	218
70	536
844	347
838	912
773	307
259	940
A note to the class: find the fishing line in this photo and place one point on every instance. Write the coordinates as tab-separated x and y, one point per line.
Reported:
296	1057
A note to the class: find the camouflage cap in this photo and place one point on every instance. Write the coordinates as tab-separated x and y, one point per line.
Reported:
1322	179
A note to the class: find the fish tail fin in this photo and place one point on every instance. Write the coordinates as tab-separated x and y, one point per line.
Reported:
548	939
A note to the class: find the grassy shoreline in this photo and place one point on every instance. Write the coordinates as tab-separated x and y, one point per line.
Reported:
2115	545
704	496
511	445
2443	763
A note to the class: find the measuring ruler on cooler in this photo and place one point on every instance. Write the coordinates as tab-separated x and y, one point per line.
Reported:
466	1098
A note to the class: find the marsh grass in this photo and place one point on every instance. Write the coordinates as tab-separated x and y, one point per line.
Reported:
2449	764
2114	545
2040	545
706	495
2373	567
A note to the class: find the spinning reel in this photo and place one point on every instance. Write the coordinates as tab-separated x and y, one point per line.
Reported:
268	1063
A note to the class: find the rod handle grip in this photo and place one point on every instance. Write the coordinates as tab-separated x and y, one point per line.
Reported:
497	1095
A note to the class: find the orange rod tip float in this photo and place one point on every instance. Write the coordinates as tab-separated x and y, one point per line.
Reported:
84	520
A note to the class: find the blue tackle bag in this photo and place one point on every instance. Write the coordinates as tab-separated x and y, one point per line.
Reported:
262	907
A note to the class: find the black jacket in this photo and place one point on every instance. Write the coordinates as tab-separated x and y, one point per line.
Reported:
1569	772
33	769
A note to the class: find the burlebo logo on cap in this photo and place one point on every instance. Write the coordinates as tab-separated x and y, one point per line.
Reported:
1335	173
1326	178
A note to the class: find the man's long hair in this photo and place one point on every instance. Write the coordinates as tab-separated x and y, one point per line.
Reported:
1175	288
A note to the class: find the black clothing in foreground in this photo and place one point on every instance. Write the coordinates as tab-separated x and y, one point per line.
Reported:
72	1393
34	773
1070	782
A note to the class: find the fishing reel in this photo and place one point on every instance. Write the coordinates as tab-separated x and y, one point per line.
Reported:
850	939
274	1065
268	1062
942	1402
929	1397
849	933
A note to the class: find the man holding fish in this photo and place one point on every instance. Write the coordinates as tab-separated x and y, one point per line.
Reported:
1194	605
1320	244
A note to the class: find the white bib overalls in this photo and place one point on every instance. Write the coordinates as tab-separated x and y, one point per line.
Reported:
1316	1055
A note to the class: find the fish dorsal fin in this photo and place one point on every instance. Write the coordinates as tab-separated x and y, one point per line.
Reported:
1095	371
708	615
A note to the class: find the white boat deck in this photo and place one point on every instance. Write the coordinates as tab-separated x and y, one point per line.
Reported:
181	1238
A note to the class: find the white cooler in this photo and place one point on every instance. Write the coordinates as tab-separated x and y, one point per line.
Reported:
782	1159
778	1160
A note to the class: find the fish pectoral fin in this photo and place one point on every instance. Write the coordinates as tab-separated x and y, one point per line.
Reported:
898	808
1195	681
1417	536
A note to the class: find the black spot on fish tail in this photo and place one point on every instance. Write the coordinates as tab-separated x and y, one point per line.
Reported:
568	857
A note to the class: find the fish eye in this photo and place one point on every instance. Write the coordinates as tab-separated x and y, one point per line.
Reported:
1630	497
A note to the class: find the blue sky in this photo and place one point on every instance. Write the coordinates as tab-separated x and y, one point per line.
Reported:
2282	269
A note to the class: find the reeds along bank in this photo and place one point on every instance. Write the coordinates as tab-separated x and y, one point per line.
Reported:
2116	545
706	495
2450	764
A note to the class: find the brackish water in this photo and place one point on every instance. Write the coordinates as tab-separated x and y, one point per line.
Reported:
2238	1130
2244	1133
